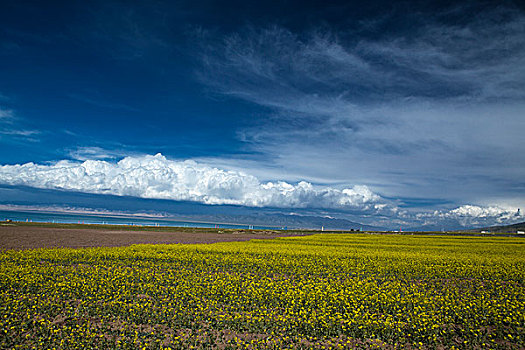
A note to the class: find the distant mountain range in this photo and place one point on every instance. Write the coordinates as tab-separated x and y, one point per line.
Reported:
184	211
284	220
514	228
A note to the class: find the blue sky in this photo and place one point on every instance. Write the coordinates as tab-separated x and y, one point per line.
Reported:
407	113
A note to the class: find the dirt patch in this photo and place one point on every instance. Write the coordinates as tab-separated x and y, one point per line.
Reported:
27	237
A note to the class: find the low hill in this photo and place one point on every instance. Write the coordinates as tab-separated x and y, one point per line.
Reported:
284	220
514	228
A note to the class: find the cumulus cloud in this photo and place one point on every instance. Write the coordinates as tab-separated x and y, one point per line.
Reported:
157	177
473	215
474	212
161	178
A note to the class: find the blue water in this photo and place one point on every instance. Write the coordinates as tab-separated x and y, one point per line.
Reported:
32	216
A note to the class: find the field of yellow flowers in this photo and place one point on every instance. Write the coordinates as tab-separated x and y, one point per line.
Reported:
324	291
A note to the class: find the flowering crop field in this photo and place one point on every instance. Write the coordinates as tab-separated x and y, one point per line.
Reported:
313	292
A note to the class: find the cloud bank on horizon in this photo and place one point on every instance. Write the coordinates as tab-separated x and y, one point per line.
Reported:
157	177
160	178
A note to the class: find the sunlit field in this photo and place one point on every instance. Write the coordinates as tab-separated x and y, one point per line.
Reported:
330	291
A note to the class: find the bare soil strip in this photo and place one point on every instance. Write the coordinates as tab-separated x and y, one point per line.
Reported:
32	237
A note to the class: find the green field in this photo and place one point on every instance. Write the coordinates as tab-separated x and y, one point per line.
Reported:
314	292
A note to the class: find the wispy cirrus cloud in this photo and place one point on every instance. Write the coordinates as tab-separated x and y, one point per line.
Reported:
6	115
22	133
100	102
481	59
10	125
96	153
125	31
435	112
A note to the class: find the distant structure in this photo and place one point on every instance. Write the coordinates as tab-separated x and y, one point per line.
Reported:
518	213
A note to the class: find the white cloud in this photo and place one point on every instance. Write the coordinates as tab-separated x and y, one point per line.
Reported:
6	115
77	210
480	59
476	212
473	215
95	152
23	133
157	177
435	113
10	125
161	178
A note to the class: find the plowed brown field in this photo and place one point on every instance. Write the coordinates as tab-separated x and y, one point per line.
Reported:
31	237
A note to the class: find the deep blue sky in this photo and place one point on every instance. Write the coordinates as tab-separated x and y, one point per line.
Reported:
422	103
